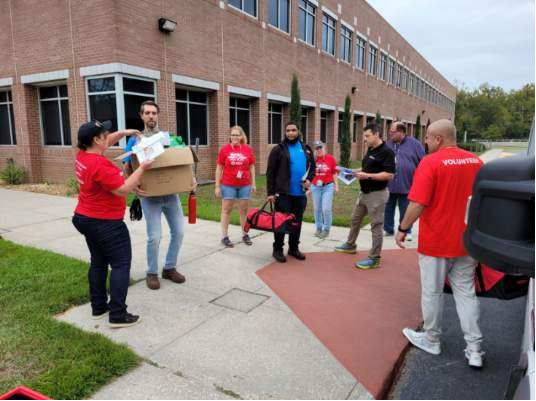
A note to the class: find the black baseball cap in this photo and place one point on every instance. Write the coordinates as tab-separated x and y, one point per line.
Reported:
90	130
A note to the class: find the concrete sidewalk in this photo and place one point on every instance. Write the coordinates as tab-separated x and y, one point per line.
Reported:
222	334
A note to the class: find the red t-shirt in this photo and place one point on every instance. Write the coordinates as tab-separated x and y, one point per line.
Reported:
235	161
325	168
97	177
443	183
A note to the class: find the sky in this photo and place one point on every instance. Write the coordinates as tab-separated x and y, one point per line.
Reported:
469	42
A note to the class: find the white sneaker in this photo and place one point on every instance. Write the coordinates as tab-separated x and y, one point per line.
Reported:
409	237
419	339
386	234
474	358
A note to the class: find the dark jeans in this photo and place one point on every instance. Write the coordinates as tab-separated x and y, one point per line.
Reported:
390	207
295	205
109	244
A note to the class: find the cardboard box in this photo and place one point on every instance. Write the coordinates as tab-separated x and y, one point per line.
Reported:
170	173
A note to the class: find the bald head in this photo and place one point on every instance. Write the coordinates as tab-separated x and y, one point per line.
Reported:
440	134
445	129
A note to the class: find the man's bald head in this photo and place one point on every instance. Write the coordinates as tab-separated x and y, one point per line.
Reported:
445	129
440	134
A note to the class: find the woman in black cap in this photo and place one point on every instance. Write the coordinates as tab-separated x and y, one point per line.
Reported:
99	217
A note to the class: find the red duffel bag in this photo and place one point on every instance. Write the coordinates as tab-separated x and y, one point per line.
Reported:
276	222
490	283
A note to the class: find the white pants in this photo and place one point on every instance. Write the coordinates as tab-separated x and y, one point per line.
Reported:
460	272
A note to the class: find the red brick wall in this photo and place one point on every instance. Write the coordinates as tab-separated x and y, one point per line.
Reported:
220	45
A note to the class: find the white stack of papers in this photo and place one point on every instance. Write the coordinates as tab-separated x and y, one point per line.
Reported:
149	148
346	175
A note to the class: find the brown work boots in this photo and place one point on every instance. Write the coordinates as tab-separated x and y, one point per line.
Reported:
168	274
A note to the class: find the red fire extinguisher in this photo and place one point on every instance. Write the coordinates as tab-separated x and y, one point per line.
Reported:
192	208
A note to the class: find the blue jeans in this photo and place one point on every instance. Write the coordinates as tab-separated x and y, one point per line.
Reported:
323	205
390	207
109	244
152	210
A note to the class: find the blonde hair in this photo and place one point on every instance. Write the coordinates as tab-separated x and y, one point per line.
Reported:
244	138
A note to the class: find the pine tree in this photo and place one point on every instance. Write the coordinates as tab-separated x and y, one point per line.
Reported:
418	127
345	133
379	122
295	101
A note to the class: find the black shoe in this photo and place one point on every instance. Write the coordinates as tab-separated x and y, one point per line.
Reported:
296	253
126	321
227	242
279	256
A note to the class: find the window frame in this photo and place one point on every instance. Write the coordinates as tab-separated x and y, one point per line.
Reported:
308	13
289	11
372	60
9	104
119	97
188	102
382	73
346	40
236	108
329	25
241	9
271	124
58	99
361	50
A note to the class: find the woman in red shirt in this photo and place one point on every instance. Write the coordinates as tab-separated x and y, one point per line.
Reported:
99	217
323	186
235	181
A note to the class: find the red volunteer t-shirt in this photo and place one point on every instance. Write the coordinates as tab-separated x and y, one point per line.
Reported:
97	177
443	183
325	168
235	161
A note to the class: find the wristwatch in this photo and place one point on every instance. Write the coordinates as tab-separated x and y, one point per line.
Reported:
402	230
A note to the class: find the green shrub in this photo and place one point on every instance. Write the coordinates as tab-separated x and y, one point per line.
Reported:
12	174
73	187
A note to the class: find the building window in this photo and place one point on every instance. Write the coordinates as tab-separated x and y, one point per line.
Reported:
323	126
307	17
398	75
328	34
275	122
192	116
279	14
346	44
391	71
373	55
383	66
239	113
403	79
360	53
118	98
247	6
54	115
7	119
303	121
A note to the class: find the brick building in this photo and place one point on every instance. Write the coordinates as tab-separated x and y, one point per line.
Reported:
63	62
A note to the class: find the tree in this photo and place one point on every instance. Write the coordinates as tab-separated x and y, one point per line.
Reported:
295	102
345	133
379	122
418	133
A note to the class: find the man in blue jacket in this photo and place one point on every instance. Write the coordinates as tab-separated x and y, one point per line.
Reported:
291	168
408	154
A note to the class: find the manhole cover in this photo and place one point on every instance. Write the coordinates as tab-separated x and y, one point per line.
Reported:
240	300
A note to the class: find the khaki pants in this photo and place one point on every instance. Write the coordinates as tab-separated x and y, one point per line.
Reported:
372	204
460	272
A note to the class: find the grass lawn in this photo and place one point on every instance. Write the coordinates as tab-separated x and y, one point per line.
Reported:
38	351
209	207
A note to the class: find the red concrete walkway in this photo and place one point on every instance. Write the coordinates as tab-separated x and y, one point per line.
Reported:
358	315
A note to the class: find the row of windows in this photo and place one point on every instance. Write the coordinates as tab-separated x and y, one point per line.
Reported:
393	73
118	98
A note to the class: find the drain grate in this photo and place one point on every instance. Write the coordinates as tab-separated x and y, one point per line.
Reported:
240	300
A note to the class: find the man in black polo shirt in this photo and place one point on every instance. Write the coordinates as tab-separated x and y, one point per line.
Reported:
378	168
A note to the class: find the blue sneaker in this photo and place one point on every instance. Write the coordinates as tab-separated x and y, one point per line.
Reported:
346	248
367	264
